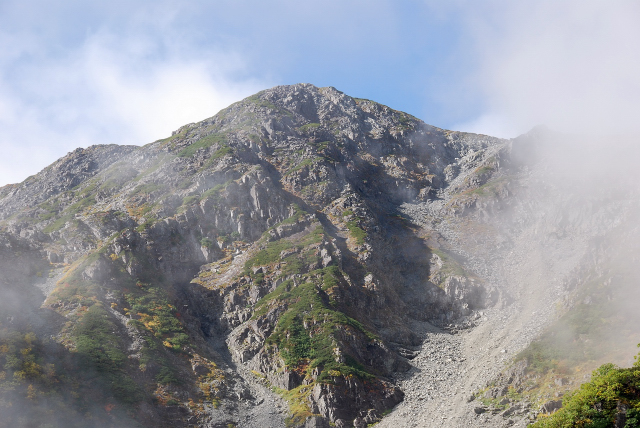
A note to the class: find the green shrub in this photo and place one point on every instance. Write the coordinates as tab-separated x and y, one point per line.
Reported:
204	142
223	151
147	188
357	232
255	99
99	348
305	163
69	213
268	255
190	200
149	221
158	316
595	404
214	192
95	341
308	304
308	127
167	375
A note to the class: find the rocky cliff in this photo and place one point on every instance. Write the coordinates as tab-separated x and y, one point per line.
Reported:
273	265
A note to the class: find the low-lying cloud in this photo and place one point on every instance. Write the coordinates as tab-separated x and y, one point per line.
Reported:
571	65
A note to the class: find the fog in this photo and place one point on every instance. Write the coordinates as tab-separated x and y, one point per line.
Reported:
571	66
589	190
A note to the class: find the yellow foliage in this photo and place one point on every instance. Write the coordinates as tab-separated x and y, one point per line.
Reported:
50	371
298	405
30	338
31	370
208	383
151	324
31	392
162	395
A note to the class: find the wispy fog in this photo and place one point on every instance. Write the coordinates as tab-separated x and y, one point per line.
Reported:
571	65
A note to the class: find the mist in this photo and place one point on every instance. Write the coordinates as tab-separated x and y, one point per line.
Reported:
571	67
589	192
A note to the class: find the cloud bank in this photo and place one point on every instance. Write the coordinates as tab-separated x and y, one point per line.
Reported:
106	85
570	65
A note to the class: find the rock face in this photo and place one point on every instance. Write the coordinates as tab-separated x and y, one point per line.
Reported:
287	244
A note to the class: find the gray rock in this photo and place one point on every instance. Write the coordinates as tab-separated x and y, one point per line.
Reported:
316	422
551	406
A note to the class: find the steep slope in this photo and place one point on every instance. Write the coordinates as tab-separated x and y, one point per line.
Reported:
274	224
301	258
557	237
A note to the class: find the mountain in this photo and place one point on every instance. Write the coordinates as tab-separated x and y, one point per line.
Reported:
305	258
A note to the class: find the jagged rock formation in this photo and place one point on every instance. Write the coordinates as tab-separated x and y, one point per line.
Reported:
290	242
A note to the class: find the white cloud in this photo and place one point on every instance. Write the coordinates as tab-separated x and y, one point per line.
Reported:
152	98
75	74
126	88
571	65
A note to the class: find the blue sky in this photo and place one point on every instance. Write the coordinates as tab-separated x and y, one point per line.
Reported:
77	73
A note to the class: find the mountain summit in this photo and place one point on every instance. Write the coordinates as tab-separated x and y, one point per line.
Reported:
287	261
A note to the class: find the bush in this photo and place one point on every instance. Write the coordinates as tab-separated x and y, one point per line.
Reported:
95	343
98	348
166	375
205	142
357	232
596	403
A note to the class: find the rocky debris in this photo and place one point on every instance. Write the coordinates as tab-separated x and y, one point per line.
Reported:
561	381
512	264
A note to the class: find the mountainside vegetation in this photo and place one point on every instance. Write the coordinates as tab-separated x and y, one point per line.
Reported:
610	399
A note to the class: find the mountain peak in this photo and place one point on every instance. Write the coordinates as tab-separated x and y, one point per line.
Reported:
299	240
